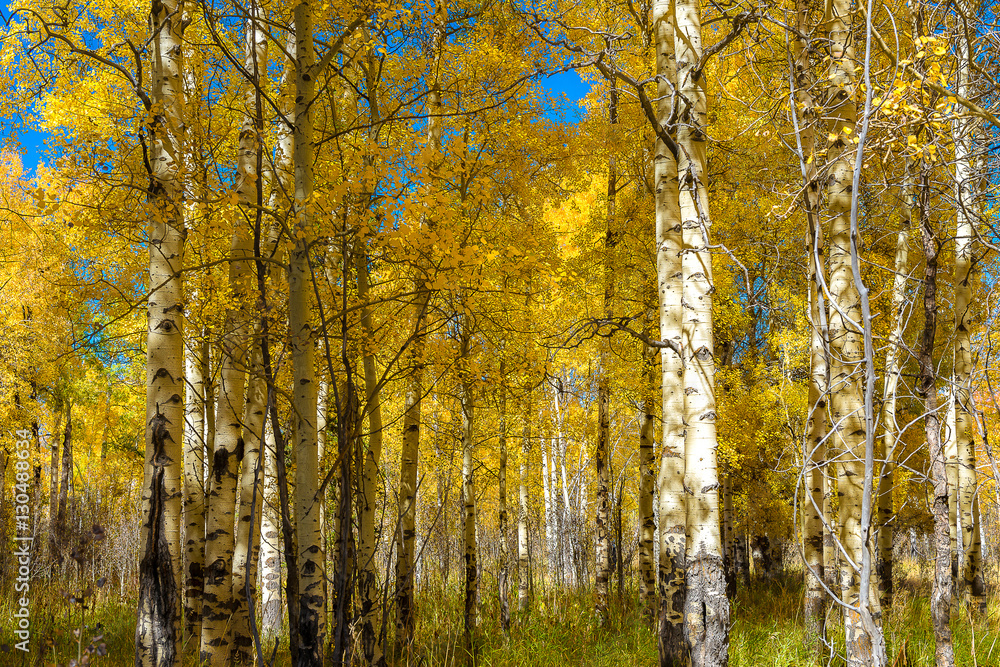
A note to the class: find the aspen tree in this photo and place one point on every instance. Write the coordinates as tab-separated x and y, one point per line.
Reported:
706	608
503	566
471	580
194	486
282	181
847	407
410	451
814	453
157	632
602	538
647	478
942	593
951	472
250	189
270	543
672	643
370	475
889	440
309	559
220	598
970	572
523	564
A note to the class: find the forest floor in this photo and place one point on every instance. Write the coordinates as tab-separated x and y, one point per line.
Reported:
767	631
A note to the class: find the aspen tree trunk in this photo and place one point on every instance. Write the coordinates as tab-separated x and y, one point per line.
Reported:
245	557
671	640
706	608
970	568
602	539
221	601
471	583
847	414
942	593
247	545
523	564
370	476
547	499
157	633
405	606
951	472
729	536
194	488
503	566
271	557
270	540
814	456
309	559
647	478
66	475
322	390
893	371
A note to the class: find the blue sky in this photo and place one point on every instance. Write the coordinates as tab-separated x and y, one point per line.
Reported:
565	83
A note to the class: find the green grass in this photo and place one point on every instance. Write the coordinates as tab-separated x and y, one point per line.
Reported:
767	630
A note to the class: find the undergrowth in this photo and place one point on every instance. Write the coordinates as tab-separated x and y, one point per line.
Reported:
767	630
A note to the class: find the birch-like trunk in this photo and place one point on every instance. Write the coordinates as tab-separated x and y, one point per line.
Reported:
951	472
602	537
814	454
220	629
941	593
309	559
523	564
250	189
706	608
847	413
194	488
270	544
157	633
66	476
410	451
367	575
282	183
890	436
970	569
471	556
248	534
672	643
503	566
647	478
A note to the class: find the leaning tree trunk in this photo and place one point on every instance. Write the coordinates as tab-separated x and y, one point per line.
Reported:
602	537
157	633
672	643
942	593
706	607
309	559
